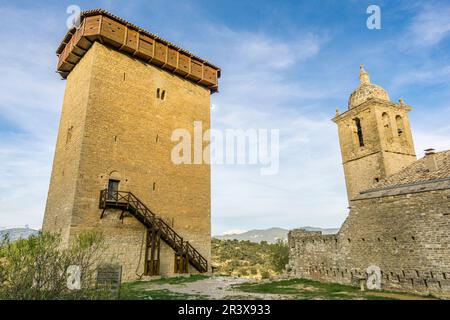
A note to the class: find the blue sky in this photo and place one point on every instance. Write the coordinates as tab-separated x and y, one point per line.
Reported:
285	65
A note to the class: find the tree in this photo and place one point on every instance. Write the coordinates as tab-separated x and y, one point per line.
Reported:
280	255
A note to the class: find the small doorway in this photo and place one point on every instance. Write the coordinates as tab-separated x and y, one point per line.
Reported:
181	263
113	189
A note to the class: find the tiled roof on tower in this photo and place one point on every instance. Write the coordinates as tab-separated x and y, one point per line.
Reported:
366	90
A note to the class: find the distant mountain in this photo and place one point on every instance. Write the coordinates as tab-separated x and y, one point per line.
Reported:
270	235
17	233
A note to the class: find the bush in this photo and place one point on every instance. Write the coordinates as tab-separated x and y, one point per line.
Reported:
35	268
232	256
280	255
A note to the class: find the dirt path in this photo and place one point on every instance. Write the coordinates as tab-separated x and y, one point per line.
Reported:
217	288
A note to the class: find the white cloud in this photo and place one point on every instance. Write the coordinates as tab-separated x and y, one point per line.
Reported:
430	26
267	53
260	89
438	139
430	75
31	98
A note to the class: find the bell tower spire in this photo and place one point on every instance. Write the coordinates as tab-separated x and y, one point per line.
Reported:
364	77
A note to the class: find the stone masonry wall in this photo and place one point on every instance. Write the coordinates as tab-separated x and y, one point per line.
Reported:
406	235
123	131
384	152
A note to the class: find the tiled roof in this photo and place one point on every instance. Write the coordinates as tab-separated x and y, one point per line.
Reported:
418	172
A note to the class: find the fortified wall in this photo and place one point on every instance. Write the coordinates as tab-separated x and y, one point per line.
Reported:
397	233
404	234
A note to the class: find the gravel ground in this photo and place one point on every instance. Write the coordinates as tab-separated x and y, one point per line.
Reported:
216	288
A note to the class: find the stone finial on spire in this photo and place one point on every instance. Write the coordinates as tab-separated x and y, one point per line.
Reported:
363	75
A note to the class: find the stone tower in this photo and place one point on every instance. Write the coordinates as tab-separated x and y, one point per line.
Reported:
127	91
374	135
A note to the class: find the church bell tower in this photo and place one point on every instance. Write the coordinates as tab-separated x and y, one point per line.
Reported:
375	136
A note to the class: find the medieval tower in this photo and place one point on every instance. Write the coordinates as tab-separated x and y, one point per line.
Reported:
374	135
127	91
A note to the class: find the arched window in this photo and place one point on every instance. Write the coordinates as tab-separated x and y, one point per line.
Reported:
359	132
387	126
400	126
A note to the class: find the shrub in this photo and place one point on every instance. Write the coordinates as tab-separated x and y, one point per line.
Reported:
35	268
280	255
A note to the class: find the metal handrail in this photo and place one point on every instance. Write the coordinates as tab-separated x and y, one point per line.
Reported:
127	198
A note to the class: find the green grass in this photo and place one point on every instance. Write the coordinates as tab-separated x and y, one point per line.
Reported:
157	295
304	289
292	289
180	280
141	290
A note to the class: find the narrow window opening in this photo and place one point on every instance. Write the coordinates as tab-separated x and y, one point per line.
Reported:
158	93
387	126
400	126
359	132
163	95
69	134
154	186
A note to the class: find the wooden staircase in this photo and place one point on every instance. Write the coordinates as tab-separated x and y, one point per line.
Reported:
157	229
